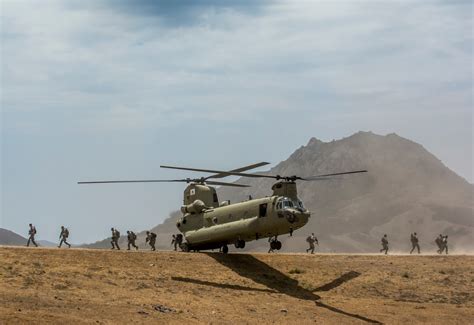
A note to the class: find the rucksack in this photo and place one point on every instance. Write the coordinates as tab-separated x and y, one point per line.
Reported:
117	234
153	235
134	236
34	230
66	232
308	239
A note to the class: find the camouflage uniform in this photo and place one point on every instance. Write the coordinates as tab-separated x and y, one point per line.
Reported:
131	237
444	245
179	240
311	240
63	236
151	239
174	242
414	243
115	238
384	244
31	236
439	243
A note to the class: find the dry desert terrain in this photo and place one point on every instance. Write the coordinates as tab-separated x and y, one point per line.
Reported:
75	286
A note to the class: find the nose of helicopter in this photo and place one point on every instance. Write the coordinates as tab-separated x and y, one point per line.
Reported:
297	217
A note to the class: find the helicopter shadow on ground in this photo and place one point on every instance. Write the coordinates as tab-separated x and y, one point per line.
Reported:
252	268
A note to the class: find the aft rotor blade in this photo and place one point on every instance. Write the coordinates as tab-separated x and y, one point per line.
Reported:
238	170
317	177
136	181
225	173
226	184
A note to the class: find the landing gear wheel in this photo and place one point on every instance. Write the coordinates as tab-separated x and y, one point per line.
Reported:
273	244
278	245
240	243
225	249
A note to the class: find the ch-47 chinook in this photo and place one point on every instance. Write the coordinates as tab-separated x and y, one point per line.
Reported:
208	224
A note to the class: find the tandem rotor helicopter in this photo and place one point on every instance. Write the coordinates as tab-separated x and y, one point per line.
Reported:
208	224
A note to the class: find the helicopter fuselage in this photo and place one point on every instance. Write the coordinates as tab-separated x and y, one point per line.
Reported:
241	222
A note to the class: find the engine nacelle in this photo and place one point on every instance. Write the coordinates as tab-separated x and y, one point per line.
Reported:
195	207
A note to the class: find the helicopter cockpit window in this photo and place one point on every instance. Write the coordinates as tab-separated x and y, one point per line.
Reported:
287	204
284	203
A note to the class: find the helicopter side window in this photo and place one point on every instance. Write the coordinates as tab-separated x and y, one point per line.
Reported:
262	211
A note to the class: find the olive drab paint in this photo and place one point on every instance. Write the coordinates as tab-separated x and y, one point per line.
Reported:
207	224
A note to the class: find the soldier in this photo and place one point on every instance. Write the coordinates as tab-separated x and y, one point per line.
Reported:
444	245
414	243
115	238
174	242
270	250
131	237
151	239
179	239
439	242
311	240
63	235
31	236
384	244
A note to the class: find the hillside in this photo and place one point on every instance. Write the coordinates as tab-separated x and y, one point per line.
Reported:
101	286
163	240
11	238
407	189
8	237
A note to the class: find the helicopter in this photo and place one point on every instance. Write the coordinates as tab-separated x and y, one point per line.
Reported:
209	224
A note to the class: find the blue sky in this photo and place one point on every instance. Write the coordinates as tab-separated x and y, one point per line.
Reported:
112	89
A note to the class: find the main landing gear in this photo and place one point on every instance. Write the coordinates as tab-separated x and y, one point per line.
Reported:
225	249
240	243
274	244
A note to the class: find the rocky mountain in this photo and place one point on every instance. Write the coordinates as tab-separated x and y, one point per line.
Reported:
407	189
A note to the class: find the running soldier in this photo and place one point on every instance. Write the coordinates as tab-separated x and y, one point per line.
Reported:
63	235
414	243
174	242
115	238
384	244
179	239
311	240
31	236
444	245
439	243
151	239
131	238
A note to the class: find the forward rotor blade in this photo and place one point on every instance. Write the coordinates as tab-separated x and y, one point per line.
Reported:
137	181
226	184
317	177
238	170
219	172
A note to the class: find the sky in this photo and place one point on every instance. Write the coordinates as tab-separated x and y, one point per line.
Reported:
94	90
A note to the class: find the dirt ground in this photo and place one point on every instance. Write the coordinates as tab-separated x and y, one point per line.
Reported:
41	285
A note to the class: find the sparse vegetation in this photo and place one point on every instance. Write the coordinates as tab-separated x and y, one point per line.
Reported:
295	271
249	288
